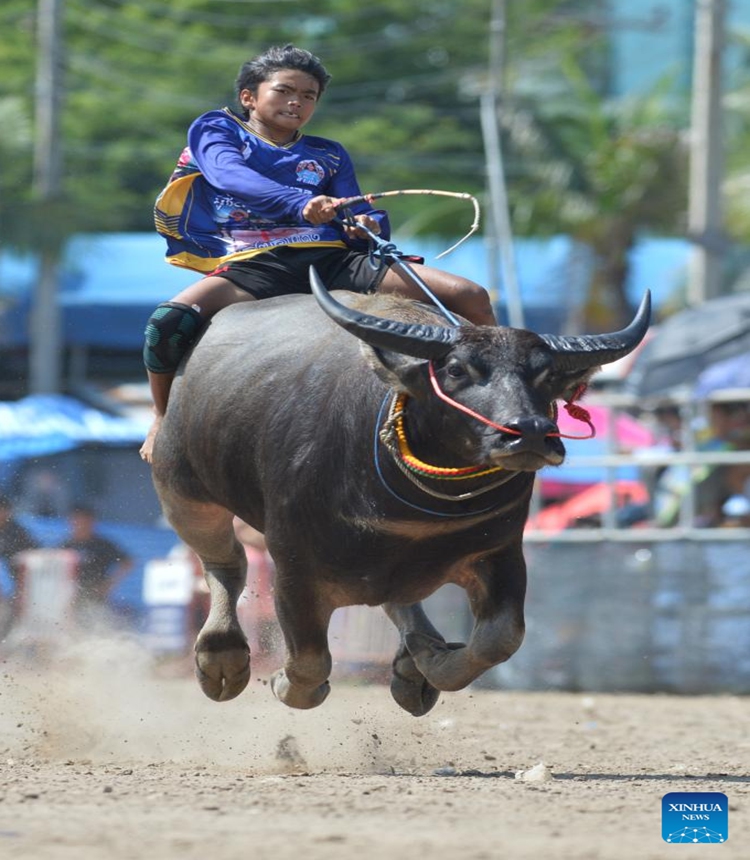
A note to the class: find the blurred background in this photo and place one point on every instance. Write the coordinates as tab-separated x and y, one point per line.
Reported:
608	142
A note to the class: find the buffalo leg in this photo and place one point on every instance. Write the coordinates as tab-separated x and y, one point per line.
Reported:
222	655
303	682
496	595
409	687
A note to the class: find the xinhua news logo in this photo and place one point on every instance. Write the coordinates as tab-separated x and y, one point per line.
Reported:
690	817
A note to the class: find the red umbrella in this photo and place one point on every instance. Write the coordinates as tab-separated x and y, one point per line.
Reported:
593	501
629	435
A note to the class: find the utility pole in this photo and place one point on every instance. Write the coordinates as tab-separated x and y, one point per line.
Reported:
45	324
706	154
502	234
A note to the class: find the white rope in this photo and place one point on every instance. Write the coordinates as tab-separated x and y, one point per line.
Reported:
461	195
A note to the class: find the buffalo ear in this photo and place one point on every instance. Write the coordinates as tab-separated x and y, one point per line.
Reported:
570	382
403	372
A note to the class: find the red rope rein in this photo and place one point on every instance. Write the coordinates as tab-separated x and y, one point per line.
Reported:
575	410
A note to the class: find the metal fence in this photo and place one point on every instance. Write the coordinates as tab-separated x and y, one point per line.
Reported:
613	606
616	616
648	461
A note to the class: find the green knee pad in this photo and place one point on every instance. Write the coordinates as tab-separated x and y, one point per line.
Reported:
170	332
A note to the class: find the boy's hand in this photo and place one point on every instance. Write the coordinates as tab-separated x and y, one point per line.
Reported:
365	220
321	209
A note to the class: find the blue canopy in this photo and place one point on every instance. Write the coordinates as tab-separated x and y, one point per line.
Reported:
44	424
109	285
111	282
728	374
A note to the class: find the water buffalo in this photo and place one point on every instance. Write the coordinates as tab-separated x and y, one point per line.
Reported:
382	453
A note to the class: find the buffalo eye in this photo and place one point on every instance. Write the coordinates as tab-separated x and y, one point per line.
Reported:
455	370
540	369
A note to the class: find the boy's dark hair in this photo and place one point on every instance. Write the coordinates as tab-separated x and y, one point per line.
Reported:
260	68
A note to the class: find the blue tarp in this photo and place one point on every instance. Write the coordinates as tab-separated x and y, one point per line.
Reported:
109	285
47	424
730	373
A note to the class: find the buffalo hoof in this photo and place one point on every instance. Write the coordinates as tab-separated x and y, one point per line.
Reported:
222	665
303	698
443	664
409	687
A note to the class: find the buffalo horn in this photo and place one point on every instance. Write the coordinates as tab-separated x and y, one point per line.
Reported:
416	339
592	350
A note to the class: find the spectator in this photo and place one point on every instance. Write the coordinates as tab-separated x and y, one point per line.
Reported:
13	538
42	493
669	423
728	430
736	509
102	565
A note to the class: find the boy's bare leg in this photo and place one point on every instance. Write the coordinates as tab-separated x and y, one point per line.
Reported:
458	294
160	384
207	296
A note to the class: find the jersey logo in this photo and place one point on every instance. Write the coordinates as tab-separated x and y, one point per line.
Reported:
310	172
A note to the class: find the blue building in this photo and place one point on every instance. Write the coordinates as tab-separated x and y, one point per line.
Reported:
653	38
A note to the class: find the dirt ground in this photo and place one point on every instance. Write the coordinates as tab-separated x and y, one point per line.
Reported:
105	755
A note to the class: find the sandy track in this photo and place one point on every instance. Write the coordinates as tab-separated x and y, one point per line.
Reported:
101	756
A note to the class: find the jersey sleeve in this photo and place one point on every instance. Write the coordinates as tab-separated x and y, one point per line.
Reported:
217	151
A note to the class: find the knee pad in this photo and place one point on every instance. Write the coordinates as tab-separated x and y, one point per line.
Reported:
170	332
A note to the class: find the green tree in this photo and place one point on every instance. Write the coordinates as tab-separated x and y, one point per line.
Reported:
403	97
404	100
603	172
737	184
15	155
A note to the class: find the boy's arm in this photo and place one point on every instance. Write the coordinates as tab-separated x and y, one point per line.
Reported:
216	151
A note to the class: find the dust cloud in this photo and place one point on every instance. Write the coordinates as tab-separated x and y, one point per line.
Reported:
106	699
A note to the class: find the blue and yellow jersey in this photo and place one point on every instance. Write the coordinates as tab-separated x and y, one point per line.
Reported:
234	194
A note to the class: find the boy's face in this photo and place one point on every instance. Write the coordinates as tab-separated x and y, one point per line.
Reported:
282	104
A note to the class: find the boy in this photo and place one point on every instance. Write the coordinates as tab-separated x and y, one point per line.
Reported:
252	204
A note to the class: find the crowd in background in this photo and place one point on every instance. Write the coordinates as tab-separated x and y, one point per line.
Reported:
722	492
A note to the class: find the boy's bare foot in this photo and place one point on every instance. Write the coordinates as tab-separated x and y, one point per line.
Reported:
148	444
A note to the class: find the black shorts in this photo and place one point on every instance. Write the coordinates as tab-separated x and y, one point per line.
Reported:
285	270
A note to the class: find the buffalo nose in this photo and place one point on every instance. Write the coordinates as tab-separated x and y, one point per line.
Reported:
534	427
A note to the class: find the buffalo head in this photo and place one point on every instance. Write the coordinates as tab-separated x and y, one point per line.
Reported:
486	393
